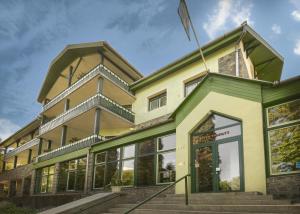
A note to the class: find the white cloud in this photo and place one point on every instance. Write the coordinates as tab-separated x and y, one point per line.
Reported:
7	128
296	15
276	29
297	48
227	11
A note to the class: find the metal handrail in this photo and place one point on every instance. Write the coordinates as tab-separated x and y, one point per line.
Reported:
164	189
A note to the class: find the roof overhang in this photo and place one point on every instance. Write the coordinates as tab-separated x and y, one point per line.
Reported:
71	52
267	61
22	132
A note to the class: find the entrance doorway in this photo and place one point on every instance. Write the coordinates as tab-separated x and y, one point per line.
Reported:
216	154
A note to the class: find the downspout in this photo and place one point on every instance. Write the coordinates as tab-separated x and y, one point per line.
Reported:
237	67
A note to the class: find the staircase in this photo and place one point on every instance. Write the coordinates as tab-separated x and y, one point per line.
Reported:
212	203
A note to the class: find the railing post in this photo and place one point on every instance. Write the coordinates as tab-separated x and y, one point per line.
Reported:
186	191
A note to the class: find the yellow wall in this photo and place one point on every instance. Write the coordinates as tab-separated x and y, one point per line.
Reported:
251	115
174	84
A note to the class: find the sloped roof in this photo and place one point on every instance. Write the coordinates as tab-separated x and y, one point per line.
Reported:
71	52
22	132
267	61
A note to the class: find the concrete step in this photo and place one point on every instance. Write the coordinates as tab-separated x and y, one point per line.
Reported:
222	196
219	201
214	208
148	211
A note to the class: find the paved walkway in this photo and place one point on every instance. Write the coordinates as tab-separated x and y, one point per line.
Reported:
74	204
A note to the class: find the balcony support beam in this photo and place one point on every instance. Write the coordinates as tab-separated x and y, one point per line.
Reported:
15	162
100	85
40	146
97	121
63	135
29	156
49	145
70	76
3	166
67	105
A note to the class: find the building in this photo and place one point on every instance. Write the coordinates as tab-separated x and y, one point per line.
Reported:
235	127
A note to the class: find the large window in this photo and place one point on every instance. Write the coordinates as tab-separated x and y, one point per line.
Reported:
107	165
143	164
191	85
72	175
158	101
166	159
283	122
127	172
44	179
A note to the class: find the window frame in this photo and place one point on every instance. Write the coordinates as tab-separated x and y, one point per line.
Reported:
158	152
278	127
282	124
134	158
157	97
47	176
195	80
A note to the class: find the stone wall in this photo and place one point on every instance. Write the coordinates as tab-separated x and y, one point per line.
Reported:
284	186
227	65
16	180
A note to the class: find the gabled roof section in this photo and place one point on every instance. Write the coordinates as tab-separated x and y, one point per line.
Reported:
267	61
71	52
22	132
220	83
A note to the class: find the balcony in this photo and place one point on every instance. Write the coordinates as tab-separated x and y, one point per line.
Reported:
22	148
99	70
84	143
98	100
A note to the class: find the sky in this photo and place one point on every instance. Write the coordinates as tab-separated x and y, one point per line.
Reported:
148	33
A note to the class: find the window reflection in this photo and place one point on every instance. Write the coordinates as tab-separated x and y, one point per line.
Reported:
112	166
166	167
167	142
146	147
127	176
129	151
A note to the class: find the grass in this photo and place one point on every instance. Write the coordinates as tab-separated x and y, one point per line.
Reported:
9	208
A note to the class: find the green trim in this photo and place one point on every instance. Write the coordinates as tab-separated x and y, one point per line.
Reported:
131	138
228	85
281	93
244	33
62	158
208	49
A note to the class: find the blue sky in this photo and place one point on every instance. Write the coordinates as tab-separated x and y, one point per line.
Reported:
148	33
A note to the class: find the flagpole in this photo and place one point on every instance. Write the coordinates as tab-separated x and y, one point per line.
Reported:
198	44
195	35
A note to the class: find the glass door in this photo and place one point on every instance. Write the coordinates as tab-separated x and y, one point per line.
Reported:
228	166
204	170
216	166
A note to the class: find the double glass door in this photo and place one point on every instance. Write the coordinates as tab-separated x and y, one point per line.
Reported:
217	166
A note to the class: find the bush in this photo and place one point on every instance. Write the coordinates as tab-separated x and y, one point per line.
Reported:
9	208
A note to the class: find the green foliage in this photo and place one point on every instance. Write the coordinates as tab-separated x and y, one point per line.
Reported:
285	148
